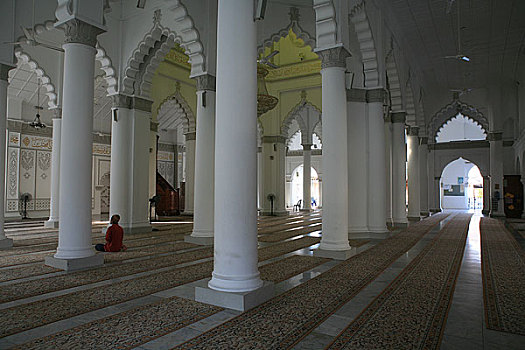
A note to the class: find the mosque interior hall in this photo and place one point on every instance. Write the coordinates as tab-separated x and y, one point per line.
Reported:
262	174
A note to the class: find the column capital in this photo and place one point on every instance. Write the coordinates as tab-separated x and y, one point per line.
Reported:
334	57
259	149
356	95
4	70
398	117
274	139
190	136
375	95
131	102
495	136
307	147
57	113
80	32
205	82
413	131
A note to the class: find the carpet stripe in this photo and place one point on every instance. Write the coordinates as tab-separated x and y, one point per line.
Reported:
503	272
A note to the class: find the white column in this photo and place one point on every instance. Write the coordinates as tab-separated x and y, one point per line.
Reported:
260	179
204	162
496	173
486	195
357	162
74	238
414	206
377	195
190	173
388	167
399	214
4	69
274	174
55	174
130	163
235	227
423	176
334	242
307	177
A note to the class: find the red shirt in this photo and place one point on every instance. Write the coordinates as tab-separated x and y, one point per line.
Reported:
114	236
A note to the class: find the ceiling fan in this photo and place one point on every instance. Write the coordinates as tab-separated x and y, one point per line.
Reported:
459	56
30	37
266	60
461	91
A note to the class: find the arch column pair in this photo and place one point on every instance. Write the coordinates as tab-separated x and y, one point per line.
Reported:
414	204
130	142
399	213
53	221
274	171
496	173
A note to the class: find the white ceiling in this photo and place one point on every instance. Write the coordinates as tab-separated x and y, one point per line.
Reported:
23	85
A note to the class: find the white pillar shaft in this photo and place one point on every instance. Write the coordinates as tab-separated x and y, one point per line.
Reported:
307	178
235	227
260	179
335	160
3	145
190	176
399	214
357	167
414	208
274	163
486	195
388	167
121	158
204	166
55	170
74	239
376	169
423	178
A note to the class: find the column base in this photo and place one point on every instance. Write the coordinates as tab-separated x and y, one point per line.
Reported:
368	234
378	229
424	214
51	223
137	228
435	210
236	301
187	213
414	218
401	225
497	215
333	254
75	264
199	240
487	212
6	243
265	212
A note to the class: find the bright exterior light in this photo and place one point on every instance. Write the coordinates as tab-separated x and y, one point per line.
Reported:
465	58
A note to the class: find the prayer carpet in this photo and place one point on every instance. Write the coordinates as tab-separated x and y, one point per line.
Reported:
503	271
284	320
411	312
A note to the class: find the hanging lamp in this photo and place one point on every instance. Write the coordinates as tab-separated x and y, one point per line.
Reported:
36	123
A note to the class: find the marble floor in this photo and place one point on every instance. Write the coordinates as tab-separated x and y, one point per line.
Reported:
465	327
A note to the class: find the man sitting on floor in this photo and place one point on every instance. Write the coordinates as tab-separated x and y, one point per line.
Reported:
114	236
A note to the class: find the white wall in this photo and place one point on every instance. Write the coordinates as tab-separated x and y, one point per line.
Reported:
458	168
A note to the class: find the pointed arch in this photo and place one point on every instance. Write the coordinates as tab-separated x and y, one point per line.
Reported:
367	45
306	127
449	111
175	111
394	84
41	74
325	24
410	107
283	33
156	44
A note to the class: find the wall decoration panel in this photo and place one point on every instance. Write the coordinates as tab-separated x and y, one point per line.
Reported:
13	155
43	174
27	171
14	139
37	142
